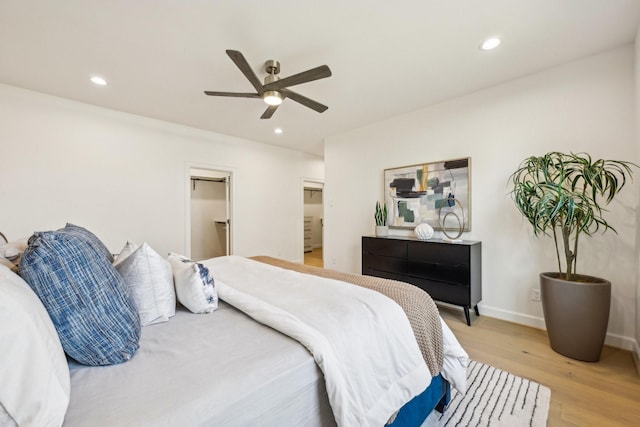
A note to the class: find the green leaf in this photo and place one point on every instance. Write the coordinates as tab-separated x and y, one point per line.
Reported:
568	191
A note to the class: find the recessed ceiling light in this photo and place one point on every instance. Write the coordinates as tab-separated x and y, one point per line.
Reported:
278	130
98	81
491	43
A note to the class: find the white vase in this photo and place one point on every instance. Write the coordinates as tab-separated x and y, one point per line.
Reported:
382	230
424	231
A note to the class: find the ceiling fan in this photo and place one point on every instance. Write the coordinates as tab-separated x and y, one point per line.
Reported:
275	90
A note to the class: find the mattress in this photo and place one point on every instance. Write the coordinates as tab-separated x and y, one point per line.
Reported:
201	370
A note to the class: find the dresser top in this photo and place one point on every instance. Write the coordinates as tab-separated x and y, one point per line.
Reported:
415	239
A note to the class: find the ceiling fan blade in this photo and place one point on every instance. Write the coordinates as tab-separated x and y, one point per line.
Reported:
314	105
232	94
317	73
243	65
269	112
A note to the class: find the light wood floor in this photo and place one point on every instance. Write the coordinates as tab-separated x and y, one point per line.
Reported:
606	393
314	258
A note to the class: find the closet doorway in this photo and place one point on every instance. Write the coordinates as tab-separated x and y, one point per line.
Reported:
313	222
210	204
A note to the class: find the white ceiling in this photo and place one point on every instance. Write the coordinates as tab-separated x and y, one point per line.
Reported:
387	58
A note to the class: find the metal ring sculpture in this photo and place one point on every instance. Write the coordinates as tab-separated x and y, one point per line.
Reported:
442	219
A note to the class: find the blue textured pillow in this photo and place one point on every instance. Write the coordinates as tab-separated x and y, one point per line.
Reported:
90	237
87	300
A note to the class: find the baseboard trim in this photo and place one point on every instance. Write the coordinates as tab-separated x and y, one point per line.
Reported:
620	341
512	316
636	356
612	340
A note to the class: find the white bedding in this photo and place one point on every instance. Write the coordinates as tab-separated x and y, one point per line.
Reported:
217	369
360	339
456	360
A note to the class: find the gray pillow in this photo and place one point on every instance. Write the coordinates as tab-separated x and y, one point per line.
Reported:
88	301
150	282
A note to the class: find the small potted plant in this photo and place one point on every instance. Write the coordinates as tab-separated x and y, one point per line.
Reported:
562	195
381	220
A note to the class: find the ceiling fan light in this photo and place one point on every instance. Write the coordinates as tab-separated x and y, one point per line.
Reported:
272	97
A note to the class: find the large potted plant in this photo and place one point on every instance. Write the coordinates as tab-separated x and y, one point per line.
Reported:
563	195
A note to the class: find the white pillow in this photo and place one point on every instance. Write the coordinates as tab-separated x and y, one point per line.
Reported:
195	287
34	380
127	250
150	281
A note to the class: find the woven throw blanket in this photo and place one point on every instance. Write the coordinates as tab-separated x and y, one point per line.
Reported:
417	304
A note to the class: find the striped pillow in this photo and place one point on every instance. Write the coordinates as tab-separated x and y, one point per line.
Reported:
90	237
87	300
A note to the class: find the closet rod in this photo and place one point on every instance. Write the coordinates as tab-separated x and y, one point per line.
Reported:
209	179
195	179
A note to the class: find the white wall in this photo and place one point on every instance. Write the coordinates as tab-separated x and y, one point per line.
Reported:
587	105
636	350
127	177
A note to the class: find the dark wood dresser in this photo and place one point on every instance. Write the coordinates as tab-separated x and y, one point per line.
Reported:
449	272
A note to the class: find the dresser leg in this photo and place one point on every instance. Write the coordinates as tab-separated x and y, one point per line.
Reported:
476	309
466	314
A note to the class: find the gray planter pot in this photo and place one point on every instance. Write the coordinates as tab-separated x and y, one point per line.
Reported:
576	314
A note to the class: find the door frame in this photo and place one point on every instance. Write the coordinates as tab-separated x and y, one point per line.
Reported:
303	183
231	172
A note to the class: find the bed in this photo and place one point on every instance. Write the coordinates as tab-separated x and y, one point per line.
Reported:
250	362
439	347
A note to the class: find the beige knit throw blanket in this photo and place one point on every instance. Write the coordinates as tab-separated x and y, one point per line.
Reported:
416	303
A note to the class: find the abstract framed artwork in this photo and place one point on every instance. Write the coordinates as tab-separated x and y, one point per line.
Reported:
436	193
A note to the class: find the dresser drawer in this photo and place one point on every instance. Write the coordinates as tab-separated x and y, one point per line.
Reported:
450	273
444	291
384	247
375	263
440	253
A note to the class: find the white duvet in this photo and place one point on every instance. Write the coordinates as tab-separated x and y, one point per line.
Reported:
360	339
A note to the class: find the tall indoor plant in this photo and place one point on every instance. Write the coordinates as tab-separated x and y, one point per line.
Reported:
563	195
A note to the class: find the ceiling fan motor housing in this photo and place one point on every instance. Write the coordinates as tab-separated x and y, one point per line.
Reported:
272	66
270	78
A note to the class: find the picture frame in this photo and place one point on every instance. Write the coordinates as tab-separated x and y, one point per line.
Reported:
435	193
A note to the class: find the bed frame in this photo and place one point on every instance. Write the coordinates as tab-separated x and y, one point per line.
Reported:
414	413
